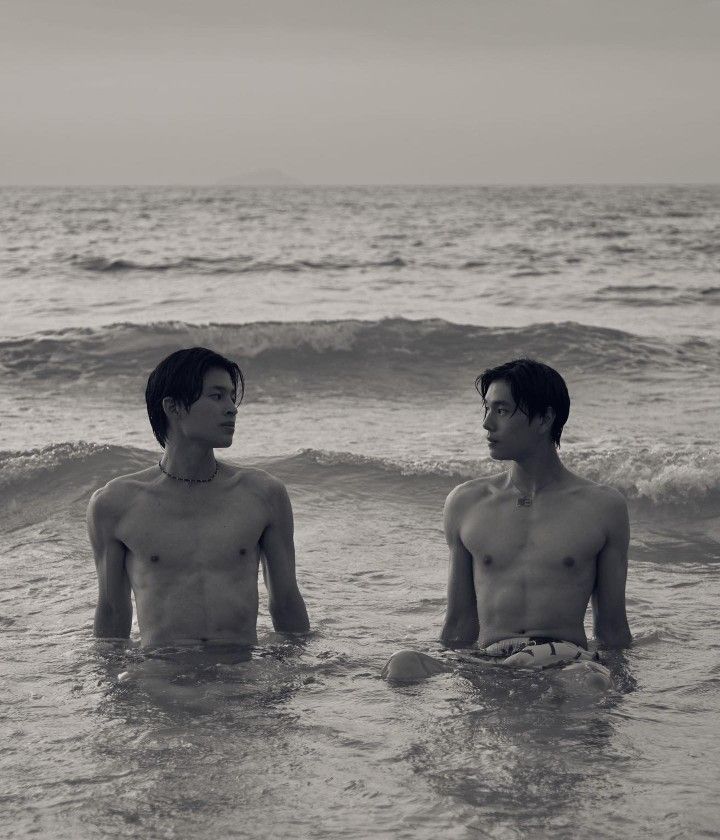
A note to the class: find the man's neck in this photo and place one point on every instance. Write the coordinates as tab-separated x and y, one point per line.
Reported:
532	474
189	461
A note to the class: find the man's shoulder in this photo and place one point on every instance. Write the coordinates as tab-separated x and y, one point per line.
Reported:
473	492
255	480
113	499
605	500
602	494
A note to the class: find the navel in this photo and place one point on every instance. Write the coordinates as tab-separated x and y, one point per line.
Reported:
154	558
487	559
569	561
243	552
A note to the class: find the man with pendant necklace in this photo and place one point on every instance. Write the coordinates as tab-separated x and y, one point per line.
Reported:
188	535
530	547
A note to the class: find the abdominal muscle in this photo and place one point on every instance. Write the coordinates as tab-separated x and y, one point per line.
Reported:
512	611
198	608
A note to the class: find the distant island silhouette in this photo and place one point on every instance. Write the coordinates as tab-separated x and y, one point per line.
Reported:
261	178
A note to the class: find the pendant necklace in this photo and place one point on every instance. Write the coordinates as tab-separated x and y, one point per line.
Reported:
525	500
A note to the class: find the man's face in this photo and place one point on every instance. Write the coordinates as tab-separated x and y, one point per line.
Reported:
511	436
211	418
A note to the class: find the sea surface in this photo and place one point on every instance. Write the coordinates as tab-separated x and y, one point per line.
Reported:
361	317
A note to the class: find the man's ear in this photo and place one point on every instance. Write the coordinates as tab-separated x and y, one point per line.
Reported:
171	407
547	419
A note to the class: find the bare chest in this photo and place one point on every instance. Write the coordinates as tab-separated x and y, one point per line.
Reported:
173	534
548	537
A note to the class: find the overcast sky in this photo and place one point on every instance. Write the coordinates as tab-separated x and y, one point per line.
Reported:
370	91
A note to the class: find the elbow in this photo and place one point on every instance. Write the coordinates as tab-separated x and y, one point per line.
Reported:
289	615
458	640
617	640
614	637
459	633
110	622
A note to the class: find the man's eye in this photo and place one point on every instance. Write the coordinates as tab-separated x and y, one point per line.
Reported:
215	396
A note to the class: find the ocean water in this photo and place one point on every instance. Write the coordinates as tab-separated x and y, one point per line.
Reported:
361	317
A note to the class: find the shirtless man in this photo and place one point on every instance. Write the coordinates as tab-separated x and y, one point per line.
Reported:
187	535
529	548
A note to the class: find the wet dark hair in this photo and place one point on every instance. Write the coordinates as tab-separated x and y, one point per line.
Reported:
180	376
535	387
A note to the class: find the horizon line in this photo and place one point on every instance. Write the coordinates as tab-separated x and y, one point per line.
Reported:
345	184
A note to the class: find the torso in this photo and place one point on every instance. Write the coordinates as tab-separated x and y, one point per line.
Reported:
534	567
192	555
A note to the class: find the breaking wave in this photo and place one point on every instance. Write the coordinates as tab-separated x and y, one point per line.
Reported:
659	476
431	346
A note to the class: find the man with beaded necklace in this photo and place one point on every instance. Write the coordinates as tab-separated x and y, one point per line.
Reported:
187	536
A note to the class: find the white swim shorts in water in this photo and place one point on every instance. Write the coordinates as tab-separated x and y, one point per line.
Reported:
533	652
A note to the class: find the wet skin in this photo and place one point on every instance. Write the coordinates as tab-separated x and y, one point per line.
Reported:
531	569
190	553
191	564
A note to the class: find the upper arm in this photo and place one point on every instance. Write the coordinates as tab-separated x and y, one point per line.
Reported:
461	618
277	541
113	615
609	612
278	550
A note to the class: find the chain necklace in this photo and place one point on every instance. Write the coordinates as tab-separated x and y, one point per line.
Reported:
189	481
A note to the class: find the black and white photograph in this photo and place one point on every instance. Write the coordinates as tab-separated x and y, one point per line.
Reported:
360	431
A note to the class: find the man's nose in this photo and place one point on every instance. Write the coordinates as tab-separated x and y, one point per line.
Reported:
232	409
487	422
